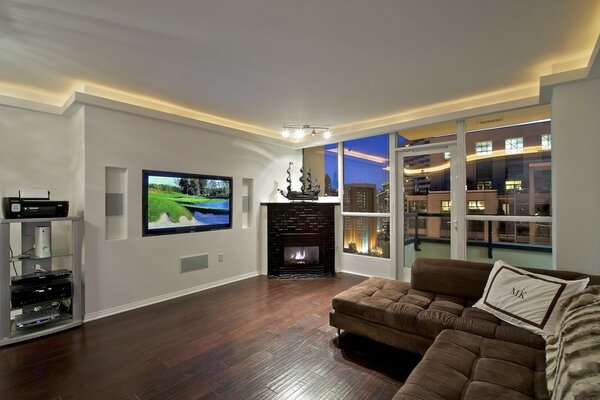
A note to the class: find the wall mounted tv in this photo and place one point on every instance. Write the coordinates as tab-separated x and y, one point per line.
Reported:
178	203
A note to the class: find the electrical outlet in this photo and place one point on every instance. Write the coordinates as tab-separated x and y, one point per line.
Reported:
220	257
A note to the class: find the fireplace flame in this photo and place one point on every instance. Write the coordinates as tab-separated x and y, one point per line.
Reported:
300	255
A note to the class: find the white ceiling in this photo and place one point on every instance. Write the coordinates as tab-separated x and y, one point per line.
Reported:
273	62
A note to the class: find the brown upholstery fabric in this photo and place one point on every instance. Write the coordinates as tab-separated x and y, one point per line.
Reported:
469	353
463	366
380	333
395	305
467	279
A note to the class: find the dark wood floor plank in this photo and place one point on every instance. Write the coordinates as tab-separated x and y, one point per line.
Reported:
252	339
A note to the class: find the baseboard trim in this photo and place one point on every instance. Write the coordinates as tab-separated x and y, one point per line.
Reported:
158	299
370	276
355	273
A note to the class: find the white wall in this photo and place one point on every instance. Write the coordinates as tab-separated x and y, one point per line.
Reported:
76	175
36	151
68	156
367	266
126	272
39	150
576	176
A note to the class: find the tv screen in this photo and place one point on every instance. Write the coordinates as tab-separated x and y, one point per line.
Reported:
179	203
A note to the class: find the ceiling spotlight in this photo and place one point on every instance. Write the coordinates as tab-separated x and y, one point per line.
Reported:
299	131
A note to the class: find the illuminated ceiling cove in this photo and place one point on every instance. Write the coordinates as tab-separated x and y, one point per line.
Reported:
257	66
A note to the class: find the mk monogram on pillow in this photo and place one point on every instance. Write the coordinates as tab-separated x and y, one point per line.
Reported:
526	299
508	295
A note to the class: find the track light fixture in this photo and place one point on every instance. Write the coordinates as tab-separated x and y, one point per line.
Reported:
299	131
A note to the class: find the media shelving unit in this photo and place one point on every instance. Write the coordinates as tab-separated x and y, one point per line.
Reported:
68	244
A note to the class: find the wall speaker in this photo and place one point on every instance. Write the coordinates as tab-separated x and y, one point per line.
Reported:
194	263
114	204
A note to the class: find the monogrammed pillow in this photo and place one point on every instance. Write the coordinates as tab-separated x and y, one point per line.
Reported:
525	299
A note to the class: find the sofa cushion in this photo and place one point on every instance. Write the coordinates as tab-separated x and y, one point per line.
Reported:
394	304
463	366
482	323
526	299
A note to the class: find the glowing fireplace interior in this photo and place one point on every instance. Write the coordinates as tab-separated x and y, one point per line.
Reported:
301	255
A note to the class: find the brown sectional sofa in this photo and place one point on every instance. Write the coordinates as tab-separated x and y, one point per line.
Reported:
468	353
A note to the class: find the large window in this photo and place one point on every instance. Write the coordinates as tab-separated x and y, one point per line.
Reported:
508	202
520	177
367	175
517	182
321	163
366	191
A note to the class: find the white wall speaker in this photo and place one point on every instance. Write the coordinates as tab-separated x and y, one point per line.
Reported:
42	241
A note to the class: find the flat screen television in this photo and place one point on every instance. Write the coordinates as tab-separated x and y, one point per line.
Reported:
176	202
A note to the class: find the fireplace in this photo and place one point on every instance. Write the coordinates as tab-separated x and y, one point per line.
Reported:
301	253
301	239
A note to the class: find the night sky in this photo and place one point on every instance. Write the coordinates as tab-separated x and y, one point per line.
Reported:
357	170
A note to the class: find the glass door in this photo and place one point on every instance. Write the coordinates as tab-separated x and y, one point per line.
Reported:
428	204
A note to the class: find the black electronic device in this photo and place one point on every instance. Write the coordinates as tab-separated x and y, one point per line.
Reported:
38	277
36	318
28	293
17	207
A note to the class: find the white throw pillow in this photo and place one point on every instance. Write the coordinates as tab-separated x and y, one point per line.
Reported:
525	299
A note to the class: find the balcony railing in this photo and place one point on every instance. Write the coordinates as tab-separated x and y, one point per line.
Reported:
505	240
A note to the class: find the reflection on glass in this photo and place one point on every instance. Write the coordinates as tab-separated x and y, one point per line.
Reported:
518	243
321	162
366	175
434	133
514	180
426	206
331	170
368	236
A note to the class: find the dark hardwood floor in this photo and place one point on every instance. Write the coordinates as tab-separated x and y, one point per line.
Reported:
253	339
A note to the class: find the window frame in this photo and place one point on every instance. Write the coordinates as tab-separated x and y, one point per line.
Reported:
546	142
476	205
513	185
447	207
391	137
513	145
481	151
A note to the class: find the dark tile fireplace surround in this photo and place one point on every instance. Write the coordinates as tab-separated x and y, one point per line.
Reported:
300	239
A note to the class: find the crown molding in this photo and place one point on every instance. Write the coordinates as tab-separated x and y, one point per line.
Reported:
591	71
115	105
77	99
